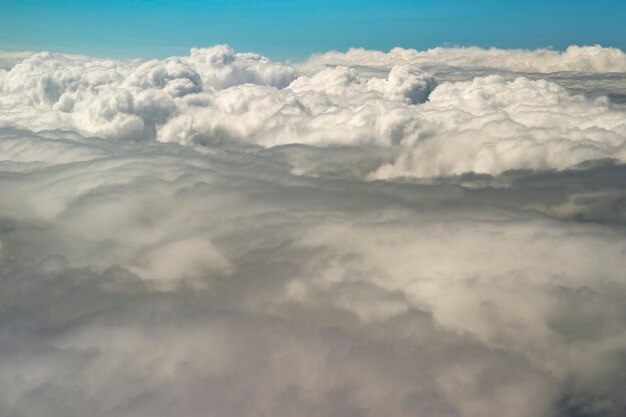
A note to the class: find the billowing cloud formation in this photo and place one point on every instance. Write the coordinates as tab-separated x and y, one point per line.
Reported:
10	59
574	58
223	235
488	124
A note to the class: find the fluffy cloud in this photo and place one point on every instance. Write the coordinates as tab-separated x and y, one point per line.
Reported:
9	59
123	99
489	124
220	234
575	58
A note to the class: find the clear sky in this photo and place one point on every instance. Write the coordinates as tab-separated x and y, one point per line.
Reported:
284	29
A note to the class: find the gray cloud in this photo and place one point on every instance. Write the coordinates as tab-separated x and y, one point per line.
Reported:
219	234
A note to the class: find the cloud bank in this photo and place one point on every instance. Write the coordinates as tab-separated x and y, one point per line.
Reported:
219	234
590	59
488	124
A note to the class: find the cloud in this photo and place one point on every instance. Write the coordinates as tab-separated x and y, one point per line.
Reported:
8	59
587	59
489	124
123	99
222	234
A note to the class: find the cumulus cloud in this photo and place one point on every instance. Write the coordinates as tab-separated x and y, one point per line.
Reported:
222	234
123	99
489	124
8	59
575	58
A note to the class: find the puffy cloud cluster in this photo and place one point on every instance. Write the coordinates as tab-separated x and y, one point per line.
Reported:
223	235
10	59
488	124
123	99
575	58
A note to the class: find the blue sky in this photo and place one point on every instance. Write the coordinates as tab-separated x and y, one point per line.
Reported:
284	29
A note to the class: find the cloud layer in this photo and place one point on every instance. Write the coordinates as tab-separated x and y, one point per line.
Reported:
588	59
488	124
220	234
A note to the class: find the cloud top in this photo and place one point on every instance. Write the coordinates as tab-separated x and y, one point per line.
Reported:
488	124
574	58
219	233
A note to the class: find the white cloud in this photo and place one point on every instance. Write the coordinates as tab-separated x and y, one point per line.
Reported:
490	125
220	232
575	58
486	125
122	99
8	59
